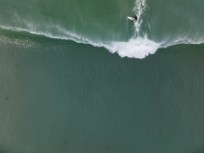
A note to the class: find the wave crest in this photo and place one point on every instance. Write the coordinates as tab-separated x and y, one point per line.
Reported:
134	48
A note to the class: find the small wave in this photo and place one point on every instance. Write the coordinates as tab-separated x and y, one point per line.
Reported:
65	35
134	48
138	47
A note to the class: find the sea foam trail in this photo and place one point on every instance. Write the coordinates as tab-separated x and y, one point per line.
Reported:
139	9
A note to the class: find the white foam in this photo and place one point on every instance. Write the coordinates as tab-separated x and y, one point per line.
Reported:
134	48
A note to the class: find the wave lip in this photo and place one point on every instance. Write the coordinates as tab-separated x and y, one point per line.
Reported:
134	48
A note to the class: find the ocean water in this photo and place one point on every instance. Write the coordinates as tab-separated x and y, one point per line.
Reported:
78	77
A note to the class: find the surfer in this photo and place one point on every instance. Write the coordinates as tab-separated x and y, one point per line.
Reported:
133	18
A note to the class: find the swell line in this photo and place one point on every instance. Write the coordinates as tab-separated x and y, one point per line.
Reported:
133	48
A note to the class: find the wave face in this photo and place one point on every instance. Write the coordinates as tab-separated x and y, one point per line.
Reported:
104	23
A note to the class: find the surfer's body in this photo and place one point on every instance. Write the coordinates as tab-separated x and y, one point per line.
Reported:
135	17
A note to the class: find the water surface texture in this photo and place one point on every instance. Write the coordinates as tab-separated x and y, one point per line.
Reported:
65	88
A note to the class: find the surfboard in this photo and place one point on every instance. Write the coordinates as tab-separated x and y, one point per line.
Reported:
131	18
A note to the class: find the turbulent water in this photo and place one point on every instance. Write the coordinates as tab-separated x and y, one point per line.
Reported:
104	24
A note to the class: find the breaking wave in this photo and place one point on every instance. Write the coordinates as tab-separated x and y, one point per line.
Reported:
133	48
140	44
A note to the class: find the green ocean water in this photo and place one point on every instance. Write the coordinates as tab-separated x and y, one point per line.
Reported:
61	90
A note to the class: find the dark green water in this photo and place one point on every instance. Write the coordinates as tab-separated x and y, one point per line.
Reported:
74	98
57	95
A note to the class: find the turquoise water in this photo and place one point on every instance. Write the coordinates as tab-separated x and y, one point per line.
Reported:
61	90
